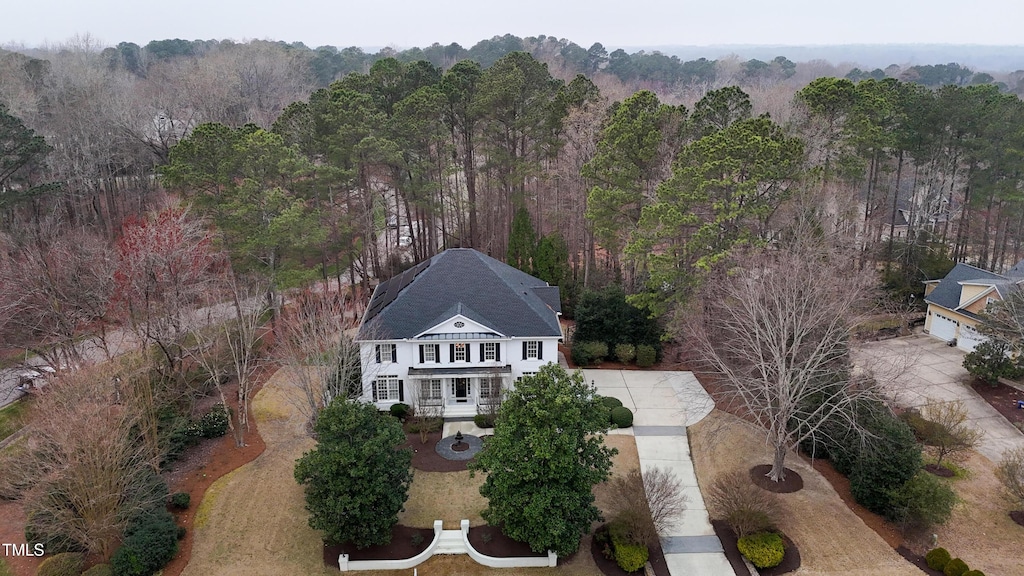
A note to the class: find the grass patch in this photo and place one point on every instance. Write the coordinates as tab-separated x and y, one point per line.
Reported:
12	417
209	499
5	570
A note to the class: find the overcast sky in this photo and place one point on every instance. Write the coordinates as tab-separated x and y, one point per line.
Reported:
406	23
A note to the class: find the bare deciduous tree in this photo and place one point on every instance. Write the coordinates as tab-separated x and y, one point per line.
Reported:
647	503
1011	473
776	327
428	407
54	290
316	345
82	470
949	432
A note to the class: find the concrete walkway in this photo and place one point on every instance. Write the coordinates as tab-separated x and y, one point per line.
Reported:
663	405
918	368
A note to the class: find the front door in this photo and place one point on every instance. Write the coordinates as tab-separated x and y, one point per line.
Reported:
461	390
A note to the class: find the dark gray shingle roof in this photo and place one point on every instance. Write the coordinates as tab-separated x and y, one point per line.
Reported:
485	290
947	293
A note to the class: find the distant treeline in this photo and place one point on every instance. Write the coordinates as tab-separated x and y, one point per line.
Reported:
654	69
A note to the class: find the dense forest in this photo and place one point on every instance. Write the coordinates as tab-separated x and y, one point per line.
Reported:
582	166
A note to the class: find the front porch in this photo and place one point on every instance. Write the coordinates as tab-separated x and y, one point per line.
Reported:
458	393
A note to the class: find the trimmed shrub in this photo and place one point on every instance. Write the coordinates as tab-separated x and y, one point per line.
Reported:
63	564
622	417
181	500
974	573
597	350
483	421
922	427
745	507
151	541
955	567
611	402
763	549
922	502
400	410
887	463
629	555
214	423
937	558
100	570
645	356
625	353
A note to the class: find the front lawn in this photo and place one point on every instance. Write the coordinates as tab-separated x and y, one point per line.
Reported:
12	417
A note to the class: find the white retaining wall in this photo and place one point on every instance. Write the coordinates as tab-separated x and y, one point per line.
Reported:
521	562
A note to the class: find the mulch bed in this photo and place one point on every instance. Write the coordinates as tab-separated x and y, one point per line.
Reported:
791	483
917	560
939	470
402	546
202	465
491	541
1017	516
1001	397
610	568
790	562
425	458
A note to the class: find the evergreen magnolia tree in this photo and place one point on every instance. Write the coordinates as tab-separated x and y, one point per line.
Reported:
356	479
545	457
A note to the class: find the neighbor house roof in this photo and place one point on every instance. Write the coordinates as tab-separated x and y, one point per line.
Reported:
947	293
461	281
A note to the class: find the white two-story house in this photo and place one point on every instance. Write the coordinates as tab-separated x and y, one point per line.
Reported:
454	331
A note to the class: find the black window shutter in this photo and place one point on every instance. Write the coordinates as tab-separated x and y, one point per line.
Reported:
377	348
524	350
401	391
468	348
497	351
482	355
374	386
437	352
421	353
540	350
451	352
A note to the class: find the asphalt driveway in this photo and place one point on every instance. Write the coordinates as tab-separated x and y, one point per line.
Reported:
917	368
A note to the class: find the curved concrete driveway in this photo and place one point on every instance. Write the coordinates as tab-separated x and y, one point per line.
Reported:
919	368
663	405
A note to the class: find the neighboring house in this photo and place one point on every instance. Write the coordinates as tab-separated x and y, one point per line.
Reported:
456	330
955	301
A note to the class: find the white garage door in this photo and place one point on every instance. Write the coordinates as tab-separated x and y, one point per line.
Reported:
942	327
969	338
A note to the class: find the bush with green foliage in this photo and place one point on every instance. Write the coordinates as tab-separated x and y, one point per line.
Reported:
610	402
100	570
763	549
151	541
63	564
605	316
955	567
622	417
588	353
400	410
885	463
214	423
991	361
923	501
937	558
922	427
646	356
483	421
629	555
355	443
744	506
625	353
554	427
181	500
974	573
